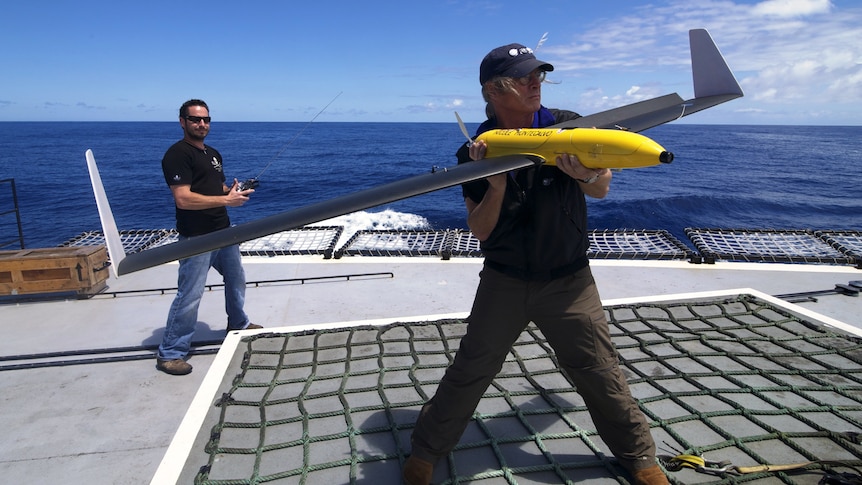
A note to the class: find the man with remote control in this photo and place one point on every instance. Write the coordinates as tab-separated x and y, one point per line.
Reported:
194	173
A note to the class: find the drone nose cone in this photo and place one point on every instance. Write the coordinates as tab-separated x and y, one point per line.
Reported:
665	157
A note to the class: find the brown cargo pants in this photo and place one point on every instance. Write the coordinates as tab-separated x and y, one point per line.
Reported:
569	313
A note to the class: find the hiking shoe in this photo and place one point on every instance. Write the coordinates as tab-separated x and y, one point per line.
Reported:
649	476
417	471
175	367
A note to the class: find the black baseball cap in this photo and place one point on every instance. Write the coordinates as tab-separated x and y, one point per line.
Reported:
513	60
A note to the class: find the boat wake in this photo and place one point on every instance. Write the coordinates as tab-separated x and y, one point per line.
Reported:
366	221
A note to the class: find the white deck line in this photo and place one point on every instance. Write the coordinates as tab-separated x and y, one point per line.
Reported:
810	314
181	445
727	265
741	291
177	454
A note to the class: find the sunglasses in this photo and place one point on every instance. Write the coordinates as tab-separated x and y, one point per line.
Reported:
198	119
533	76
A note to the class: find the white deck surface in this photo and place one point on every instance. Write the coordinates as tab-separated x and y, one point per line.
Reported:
111	423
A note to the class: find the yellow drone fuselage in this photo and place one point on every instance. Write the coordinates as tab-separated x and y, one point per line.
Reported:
595	148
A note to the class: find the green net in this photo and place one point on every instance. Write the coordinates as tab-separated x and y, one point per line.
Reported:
732	379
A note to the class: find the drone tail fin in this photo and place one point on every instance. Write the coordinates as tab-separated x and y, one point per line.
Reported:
109	225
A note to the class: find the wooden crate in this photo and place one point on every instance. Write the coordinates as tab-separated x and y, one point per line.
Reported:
82	270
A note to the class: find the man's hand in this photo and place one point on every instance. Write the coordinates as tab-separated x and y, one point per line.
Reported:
477	152
236	198
595	182
571	166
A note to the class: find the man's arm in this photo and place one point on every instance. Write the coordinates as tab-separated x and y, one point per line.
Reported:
482	217
188	200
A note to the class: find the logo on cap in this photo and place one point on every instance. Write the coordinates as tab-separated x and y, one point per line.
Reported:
515	52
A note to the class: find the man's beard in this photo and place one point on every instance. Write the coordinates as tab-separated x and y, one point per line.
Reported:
192	134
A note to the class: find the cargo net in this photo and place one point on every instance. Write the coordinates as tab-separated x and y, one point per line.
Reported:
736	380
778	246
303	241
711	245
605	244
848	242
632	244
306	240
465	244
132	240
397	243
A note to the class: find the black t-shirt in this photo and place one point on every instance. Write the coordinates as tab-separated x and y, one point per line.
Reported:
184	164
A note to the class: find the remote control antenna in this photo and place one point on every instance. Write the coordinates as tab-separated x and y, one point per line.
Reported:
254	182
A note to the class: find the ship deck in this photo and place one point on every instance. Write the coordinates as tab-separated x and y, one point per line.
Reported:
719	365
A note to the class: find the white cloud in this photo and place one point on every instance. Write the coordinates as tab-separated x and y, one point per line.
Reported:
792	8
793	52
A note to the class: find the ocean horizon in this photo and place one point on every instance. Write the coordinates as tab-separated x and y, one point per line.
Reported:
723	176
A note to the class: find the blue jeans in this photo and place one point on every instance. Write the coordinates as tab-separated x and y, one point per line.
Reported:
191	283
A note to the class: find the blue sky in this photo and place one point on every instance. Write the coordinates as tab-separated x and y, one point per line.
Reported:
798	61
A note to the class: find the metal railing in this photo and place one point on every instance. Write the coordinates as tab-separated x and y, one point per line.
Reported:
14	210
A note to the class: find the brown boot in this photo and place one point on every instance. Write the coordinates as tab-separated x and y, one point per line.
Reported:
649	476
176	367
417	471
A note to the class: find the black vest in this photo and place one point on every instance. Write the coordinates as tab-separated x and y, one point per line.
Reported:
542	230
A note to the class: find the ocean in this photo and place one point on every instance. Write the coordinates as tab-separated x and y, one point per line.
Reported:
733	177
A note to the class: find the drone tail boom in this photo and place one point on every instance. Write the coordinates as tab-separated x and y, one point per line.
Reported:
714	83
292	219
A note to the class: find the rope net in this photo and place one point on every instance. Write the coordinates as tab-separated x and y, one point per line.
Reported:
307	240
734	379
711	245
396	242
632	244
781	246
